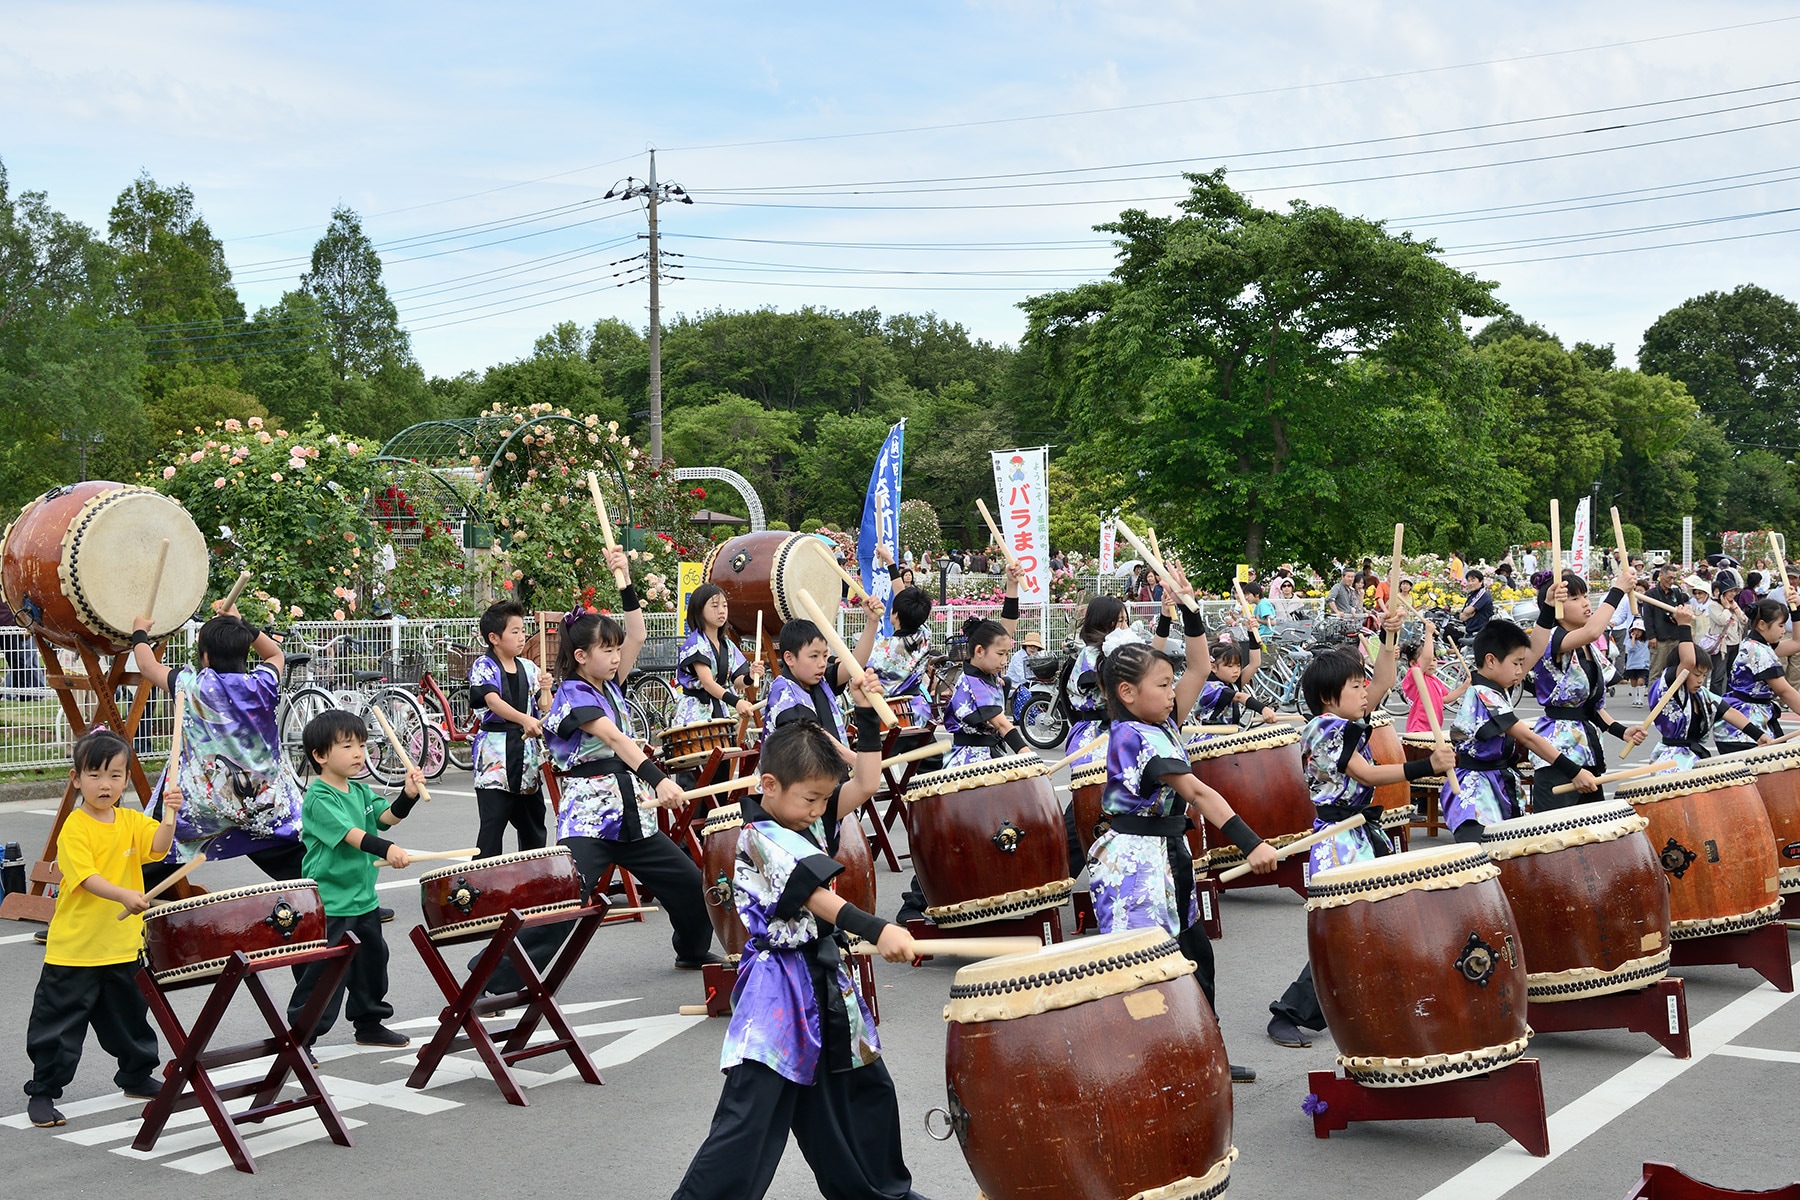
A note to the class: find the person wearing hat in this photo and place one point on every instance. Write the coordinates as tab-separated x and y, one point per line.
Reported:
1018	670
1712	622
1659	623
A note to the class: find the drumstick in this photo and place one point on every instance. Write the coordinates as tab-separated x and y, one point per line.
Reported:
1211	729
174	877
621	577
1668	695
1563	789
1778	547
1005	550
1556	550
1150	535
844	653
1086	746
919	753
719	789
1624	559
857	592
759	637
544	692
1237	589
1654	603
1394	571
1437	727
237	589
1305	843
419	856
394	740
1154	560
162	558
971	947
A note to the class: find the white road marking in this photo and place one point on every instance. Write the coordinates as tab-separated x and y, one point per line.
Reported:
1508	1167
12	938
569	1010
41	812
1786	1056
303	1129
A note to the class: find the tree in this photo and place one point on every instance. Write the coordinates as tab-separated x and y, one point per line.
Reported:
1559	428
178	412
740	434
291	373
559	373
361	323
1738	352
1216	362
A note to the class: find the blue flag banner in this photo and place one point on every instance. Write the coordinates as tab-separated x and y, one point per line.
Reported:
881	522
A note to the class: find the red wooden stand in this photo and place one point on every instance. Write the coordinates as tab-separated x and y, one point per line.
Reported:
720	980
1046	926
1663	1182
1659	1010
1289	873
193	1061
1763	950
459	1025
1790	907
1511	1097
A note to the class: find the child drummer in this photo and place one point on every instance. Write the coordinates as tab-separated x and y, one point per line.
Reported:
507	750
710	662
899	658
1687	720
1342	775
1570	684
806	688
976	714
801	1053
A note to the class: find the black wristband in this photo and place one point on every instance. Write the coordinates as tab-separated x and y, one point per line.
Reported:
1417	769
853	920
1163	625
893	572
628	599
1193	622
403	805
140	638
1683	633
1754	730
1617	729
1009	609
1255	642
1240	833
1615	597
869	737
1015	740
650	773
730	698
378	847
1566	764
1546	615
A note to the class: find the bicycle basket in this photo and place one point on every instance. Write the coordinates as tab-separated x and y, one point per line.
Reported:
1044	667
659	655
956	648
458	661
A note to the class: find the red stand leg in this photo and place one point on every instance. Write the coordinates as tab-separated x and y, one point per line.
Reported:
1085	922
878	834
1790	907
1206	890
1663	1182
193	1061
1045	926
1763	950
1659	1010
459	1025
1511	1097
631	893
1290	873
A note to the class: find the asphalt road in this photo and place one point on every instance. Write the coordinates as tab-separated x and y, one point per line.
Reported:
1615	1099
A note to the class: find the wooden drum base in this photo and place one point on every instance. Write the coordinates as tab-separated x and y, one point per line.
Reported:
1763	950
1663	1182
1511	1097
1659	1010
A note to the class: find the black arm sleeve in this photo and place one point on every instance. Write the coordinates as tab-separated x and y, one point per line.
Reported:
810	874
402	806
628	599
1193	622
869	737
378	847
577	717
854	920
1417	769
1015	740
1009	609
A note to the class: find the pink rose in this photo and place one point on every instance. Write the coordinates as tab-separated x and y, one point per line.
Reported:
337	614
168	472
219	482
196	456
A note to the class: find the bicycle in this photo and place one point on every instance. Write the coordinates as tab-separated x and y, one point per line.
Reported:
423	741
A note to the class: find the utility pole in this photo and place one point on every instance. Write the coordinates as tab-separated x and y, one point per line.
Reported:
653	193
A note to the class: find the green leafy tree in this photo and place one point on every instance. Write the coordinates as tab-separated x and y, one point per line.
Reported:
1738	352
361	323
1559	429
291	373
738	433
198	405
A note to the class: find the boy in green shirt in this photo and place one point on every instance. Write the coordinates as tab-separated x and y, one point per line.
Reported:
340	818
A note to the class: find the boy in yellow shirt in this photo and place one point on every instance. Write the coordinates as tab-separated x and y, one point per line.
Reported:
92	960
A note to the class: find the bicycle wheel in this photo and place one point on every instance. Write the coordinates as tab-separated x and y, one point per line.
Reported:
434	757
297	710
655	697
1040	724
458	754
406	716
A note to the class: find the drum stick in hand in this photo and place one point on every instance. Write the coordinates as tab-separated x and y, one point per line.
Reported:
845	655
419	856
917	754
156	574
394	741
1556	550
1305	843
621	577
1437	727
1563	789
1394	571
1005	550
1669	694
237	589
970	947
1655	603
857	592
1778	547
719	789
1080	750
1624	560
174	877
544	691
1155	560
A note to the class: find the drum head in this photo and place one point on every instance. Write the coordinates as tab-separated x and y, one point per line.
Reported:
803	562
109	560
1064	975
1414	867
1720	774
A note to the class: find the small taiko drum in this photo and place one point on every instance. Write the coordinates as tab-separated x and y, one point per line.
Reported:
190	940
1258	773
1086	784
77	564
1711	832
1386	748
1418	966
987	841
690	745
765	572
1777	771
1091	1068
719	845
474	897
1589	898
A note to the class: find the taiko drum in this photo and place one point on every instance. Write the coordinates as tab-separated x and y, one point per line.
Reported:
1386	749
192	939
1712	835
719	845
987	841
473	897
1777	771
765	572
1086	784
1258	773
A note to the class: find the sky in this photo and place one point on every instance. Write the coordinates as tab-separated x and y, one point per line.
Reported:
1602	162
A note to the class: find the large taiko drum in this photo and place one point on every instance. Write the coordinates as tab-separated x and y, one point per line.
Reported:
1386	748
189	940
690	745
1589	899
77	564
1086	784
1711	832
1258	773
719	845
1777	771
1091	1068
474	897
765	572
987	841
1418	965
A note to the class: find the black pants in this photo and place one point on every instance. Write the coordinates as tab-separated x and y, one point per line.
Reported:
1300	1003
499	808
847	1124
1077	856
279	863
365	983
1198	947
68	1001
656	860
1547	777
